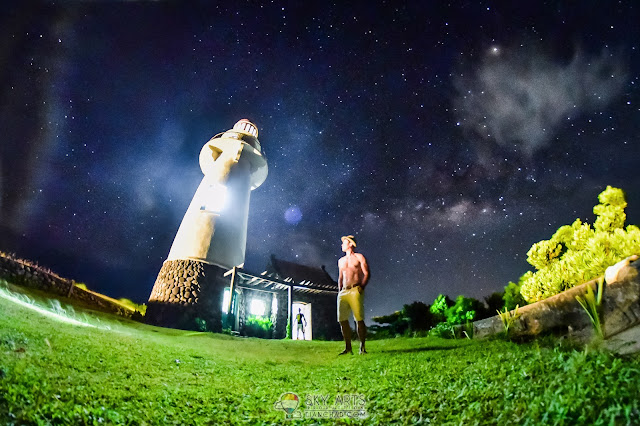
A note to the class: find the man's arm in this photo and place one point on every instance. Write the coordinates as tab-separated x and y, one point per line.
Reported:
339	274
365	271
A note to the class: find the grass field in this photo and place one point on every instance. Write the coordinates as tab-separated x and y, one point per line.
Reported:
122	372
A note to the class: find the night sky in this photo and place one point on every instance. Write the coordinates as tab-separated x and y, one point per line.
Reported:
447	136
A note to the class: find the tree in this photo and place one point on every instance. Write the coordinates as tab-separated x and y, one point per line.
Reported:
495	302
439	307
512	296
463	310
419	316
413	317
397	322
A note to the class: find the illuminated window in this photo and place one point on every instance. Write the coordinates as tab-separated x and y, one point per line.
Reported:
225	301
215	198
257	307
274	305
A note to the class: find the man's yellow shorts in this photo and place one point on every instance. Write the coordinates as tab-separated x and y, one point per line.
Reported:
351	300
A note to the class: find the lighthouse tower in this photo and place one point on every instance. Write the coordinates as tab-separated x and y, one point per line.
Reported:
212	237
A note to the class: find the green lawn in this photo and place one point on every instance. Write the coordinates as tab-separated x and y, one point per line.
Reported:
127	373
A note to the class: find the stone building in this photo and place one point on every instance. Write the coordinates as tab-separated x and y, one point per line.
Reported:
279	293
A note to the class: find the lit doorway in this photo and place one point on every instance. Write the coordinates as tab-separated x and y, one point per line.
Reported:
305	310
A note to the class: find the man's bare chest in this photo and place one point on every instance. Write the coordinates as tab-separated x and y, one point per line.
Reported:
351	263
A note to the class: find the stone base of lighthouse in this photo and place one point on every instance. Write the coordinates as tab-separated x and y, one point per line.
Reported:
186	293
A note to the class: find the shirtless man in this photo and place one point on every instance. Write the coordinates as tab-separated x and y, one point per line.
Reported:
353	277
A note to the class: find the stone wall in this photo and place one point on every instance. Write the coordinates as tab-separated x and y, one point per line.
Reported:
562	314
187	291
27	274
281	317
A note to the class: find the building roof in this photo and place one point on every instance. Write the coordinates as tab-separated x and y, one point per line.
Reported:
281	275
298	273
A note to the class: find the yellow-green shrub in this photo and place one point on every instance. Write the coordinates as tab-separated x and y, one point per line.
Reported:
577	253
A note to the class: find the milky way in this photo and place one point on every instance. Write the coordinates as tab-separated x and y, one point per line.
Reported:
448	139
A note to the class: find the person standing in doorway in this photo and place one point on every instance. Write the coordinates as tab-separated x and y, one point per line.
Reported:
353	277
302	324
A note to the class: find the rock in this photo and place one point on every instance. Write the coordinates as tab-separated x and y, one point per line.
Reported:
613	273
626	342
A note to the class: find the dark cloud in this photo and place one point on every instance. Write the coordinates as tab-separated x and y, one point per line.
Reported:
519	99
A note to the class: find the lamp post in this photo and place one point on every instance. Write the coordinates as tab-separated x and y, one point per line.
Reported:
212	236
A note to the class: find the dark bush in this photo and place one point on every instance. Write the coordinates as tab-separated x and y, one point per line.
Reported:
258	327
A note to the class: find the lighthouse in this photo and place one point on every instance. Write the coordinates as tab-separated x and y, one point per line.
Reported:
212	236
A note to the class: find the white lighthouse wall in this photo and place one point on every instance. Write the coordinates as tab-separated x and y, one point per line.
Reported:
228	244
212	230
194	235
